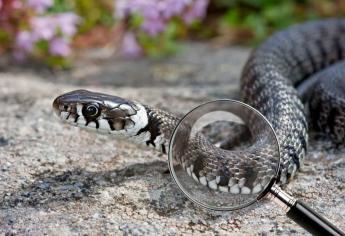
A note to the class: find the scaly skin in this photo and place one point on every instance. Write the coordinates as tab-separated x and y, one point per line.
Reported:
285	60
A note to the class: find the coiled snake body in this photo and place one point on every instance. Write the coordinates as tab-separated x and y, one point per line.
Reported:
300	53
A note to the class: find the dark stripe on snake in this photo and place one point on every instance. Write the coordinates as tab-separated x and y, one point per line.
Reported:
76	118
153	127
111	124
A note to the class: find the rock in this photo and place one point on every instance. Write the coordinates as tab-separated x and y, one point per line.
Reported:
59	180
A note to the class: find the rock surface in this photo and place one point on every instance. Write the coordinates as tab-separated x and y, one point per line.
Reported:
58	180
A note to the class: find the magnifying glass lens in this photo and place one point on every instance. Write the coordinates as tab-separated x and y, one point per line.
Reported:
224	155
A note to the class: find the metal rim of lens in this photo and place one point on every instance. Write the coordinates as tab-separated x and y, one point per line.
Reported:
207	206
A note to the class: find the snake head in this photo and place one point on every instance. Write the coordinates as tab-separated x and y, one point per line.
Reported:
101	112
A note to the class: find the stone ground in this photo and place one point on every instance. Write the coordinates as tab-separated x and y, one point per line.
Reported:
58	180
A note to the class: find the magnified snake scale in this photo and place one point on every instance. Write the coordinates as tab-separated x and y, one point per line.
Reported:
308	56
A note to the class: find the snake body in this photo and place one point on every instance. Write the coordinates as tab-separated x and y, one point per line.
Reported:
268	82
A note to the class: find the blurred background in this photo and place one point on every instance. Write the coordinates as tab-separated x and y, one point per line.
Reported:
55	32
170	54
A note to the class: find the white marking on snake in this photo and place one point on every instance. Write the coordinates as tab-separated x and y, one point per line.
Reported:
103	126
245	190
79	109
128	109
91	124
189	171
212	184
140	120
81	122
191	168
257	188
159	140
224	189
71	119
217	179
241	182
232	182
64	115
111	104
194	177
217	144
129	124
235	189
203	180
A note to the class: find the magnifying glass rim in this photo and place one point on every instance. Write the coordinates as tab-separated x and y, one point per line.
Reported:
173	174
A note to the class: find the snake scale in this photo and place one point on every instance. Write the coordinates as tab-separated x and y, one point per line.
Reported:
307	55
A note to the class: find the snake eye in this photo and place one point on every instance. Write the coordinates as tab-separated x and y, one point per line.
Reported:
90	110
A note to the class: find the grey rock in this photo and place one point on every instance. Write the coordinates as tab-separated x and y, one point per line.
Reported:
59	180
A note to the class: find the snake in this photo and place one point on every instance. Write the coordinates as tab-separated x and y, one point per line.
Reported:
296	75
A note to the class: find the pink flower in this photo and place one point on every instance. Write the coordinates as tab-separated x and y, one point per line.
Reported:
148	9
170	8
67	22
197	10
59	47
40	5
130	46
43	27
25	41
121	8
153	26
46	27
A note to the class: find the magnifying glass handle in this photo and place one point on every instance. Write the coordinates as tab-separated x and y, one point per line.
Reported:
303	215
310	220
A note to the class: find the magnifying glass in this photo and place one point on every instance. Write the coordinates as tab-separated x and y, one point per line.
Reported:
224	155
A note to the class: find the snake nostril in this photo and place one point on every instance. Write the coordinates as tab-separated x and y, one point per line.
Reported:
65	107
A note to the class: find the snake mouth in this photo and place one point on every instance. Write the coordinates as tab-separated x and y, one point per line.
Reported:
66	113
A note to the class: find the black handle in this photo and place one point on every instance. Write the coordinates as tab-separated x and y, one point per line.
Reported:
311	221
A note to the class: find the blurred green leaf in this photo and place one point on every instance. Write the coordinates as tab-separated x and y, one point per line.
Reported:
257	24
232	17
42	46
58	62
281	15
93	13
135	21
61	6
5	37
162	45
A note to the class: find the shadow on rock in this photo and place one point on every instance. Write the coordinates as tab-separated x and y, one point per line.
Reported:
73	185
78	185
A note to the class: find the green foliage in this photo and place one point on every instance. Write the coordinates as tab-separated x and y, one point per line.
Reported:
58	62
163	44
93	13
61	6
4	37
245	21
262	17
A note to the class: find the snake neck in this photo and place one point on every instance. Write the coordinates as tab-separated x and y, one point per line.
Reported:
159	128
